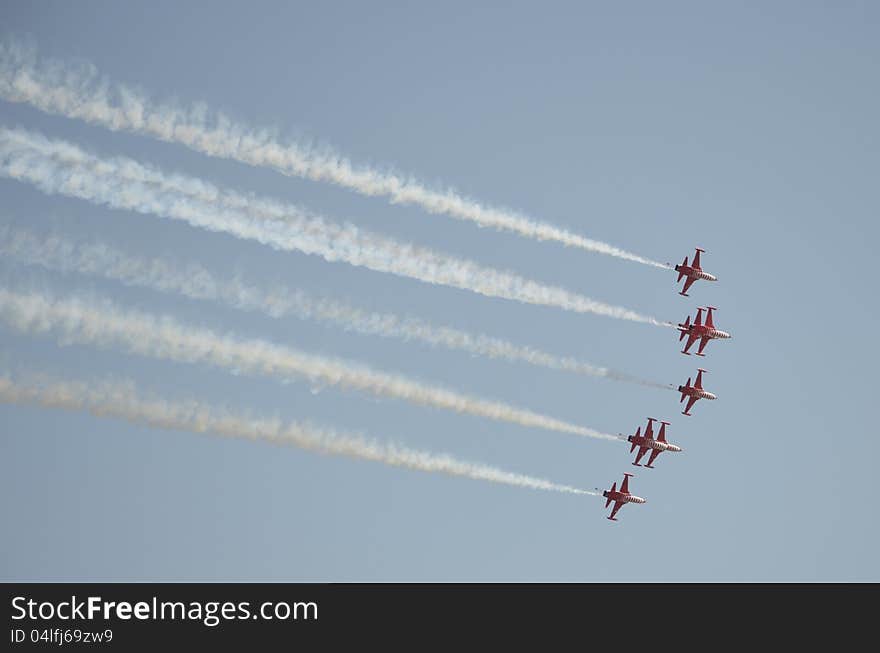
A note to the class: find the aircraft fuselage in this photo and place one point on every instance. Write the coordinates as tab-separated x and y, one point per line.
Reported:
619	497
653	444
705	332
693	273
696	392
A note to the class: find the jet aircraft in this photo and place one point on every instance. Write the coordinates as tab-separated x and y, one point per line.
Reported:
695	392
692	272
700	331
647	441
620	497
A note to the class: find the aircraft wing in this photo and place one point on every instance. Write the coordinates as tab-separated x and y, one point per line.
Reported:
688	283
653	457
691	340
703	342
662	436
642	451
616	507
690	403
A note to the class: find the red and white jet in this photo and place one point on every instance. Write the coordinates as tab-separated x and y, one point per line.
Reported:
647	441
695	392
692	272
699	331
620	497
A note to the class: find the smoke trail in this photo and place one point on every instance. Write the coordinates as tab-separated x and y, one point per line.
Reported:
121	400
194	281
77	92
103	324
60	167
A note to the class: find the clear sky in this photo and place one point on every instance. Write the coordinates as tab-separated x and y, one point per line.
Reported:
749	129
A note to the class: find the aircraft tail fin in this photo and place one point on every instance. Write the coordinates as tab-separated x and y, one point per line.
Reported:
684	327
613	489
682	388
638	433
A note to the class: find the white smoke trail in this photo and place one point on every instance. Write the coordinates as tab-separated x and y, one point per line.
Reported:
121	400
78	92
60	167
103	324
193	281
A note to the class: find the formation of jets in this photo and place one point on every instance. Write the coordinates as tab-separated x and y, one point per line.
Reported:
701	330
647	441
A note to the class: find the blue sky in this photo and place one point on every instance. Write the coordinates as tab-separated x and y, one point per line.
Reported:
748	129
